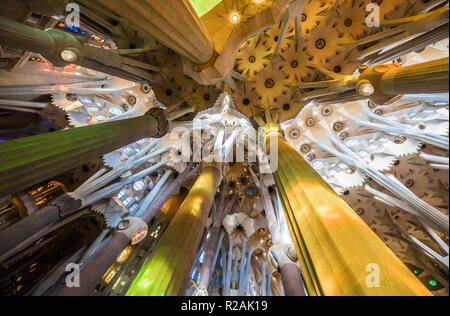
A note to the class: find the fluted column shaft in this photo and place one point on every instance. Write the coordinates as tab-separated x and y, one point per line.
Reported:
210	250
215	238
290	275
263	280
334	245
91	275
428	77
381	83
229	266
166	271
30	160
174	23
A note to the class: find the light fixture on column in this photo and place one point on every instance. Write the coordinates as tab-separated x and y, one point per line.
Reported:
366	89
69	55
124	255
138	237
234	18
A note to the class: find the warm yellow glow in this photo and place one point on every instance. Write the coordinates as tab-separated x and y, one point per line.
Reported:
139	236
111	273
165	270
47	192
124	255
110	276
335	247
155	233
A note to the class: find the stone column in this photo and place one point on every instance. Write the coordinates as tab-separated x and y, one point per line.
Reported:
91	274
58	209
242	266
248	263
229	266
383	82
30	160
166	271
218	214
175	185
338	253
173	23
167	204
63	48
263	279
283	259
290	273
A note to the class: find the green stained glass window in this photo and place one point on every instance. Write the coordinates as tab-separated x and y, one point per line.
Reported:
204	6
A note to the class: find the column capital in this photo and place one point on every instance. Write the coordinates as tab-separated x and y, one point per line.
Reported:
216	165
282	254
163	119
131	226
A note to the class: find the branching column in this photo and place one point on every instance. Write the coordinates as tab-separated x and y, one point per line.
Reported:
166	271
339	254
290	273
30	160
213	242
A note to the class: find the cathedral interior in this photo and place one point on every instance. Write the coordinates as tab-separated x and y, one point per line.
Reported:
224	148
